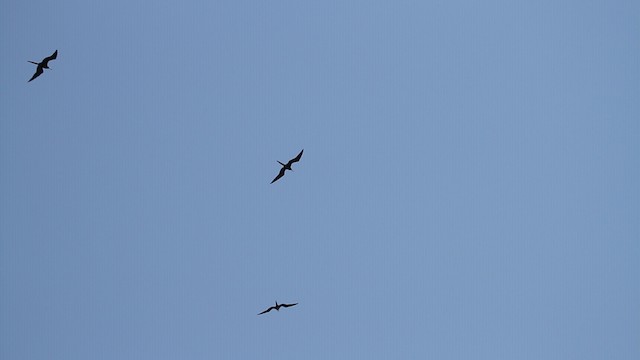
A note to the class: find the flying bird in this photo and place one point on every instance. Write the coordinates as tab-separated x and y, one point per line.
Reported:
278	306
44	64
287	166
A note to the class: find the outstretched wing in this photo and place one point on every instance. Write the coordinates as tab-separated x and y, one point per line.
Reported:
266	311
289	305
296	159
49	58
38	73
280	174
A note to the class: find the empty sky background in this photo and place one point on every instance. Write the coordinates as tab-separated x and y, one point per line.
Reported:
469	187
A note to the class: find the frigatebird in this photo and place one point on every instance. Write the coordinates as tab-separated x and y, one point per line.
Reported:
277	307
287	166
44	64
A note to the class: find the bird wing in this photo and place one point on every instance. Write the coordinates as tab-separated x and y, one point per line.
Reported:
296	159
289	305
38	73
280	174
266	311
49	58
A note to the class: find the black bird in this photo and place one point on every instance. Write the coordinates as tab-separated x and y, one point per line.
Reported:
287	166
44	64
277	307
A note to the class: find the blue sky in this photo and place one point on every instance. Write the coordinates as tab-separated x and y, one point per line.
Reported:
469	187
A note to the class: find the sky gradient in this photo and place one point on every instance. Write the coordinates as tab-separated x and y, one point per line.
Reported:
469	189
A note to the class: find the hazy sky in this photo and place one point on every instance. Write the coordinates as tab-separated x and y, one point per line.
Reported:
470	185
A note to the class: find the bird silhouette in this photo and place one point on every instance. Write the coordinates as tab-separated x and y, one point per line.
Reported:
287	166
277	307
44	64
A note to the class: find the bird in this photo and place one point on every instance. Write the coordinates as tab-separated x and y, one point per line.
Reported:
277	307
44	64
287	166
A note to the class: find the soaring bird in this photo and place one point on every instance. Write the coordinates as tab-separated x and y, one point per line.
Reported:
44	64
287	166
277	307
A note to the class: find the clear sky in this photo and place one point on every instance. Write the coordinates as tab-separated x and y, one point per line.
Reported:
470	185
